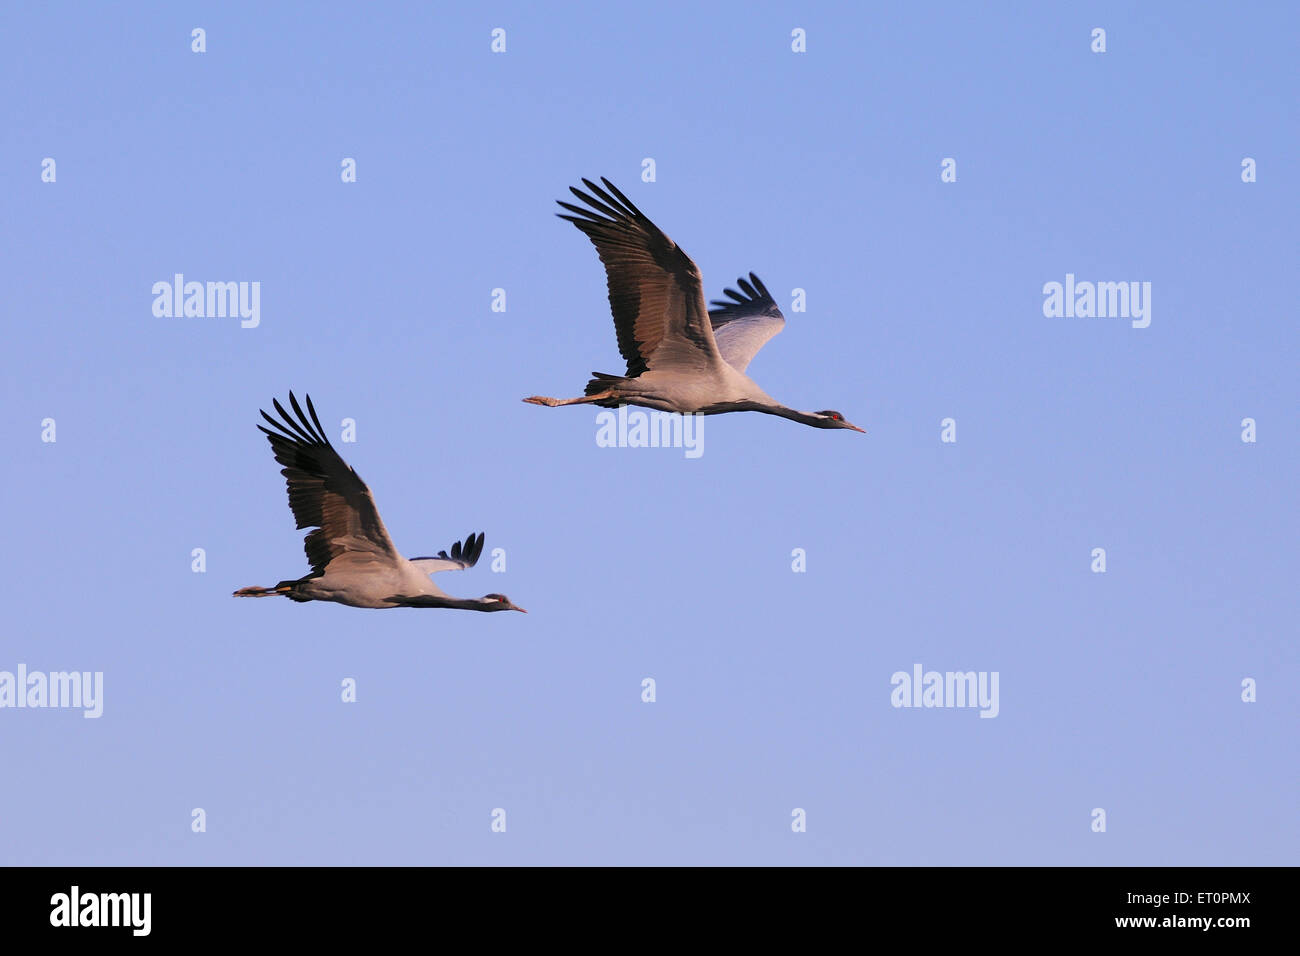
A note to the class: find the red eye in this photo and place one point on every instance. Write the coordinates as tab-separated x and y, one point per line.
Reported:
836	417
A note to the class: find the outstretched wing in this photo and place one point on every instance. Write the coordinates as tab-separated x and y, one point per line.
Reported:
654	288
324	493
745	324
463	555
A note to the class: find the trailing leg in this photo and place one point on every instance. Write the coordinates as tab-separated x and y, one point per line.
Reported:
584	400
284	587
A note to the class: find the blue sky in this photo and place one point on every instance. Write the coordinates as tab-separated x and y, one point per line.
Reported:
819	171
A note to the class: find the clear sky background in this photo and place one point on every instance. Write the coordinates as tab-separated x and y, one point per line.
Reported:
819	171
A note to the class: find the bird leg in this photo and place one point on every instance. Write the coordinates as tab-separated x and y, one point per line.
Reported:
263	592
585	399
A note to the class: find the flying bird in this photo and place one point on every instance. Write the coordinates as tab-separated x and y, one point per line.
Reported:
353	560
681	356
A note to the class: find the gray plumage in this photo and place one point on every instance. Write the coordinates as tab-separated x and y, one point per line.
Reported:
681	356
353	560
744	325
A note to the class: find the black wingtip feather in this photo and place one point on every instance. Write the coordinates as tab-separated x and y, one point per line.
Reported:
753	295
302	417
467	551
315	418
294	430
607	208
620	195
610	201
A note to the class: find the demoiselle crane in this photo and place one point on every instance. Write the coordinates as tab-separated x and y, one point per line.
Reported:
353	559
681	356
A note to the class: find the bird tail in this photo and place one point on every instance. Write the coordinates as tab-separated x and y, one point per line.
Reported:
284	587
601	382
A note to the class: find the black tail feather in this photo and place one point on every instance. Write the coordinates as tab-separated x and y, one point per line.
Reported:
602	381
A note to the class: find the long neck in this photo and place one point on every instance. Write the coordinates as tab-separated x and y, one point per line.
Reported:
443	600
471	604
760	401
805	418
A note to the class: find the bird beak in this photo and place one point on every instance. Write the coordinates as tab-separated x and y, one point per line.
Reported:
856	428
516	607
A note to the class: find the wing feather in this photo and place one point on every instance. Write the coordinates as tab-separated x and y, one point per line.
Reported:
324	493
745	324
463	555
655	291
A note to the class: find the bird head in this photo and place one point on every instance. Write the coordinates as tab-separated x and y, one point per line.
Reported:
833	419
499	602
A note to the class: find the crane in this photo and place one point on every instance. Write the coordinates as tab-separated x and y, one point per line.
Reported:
681	356
353	559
